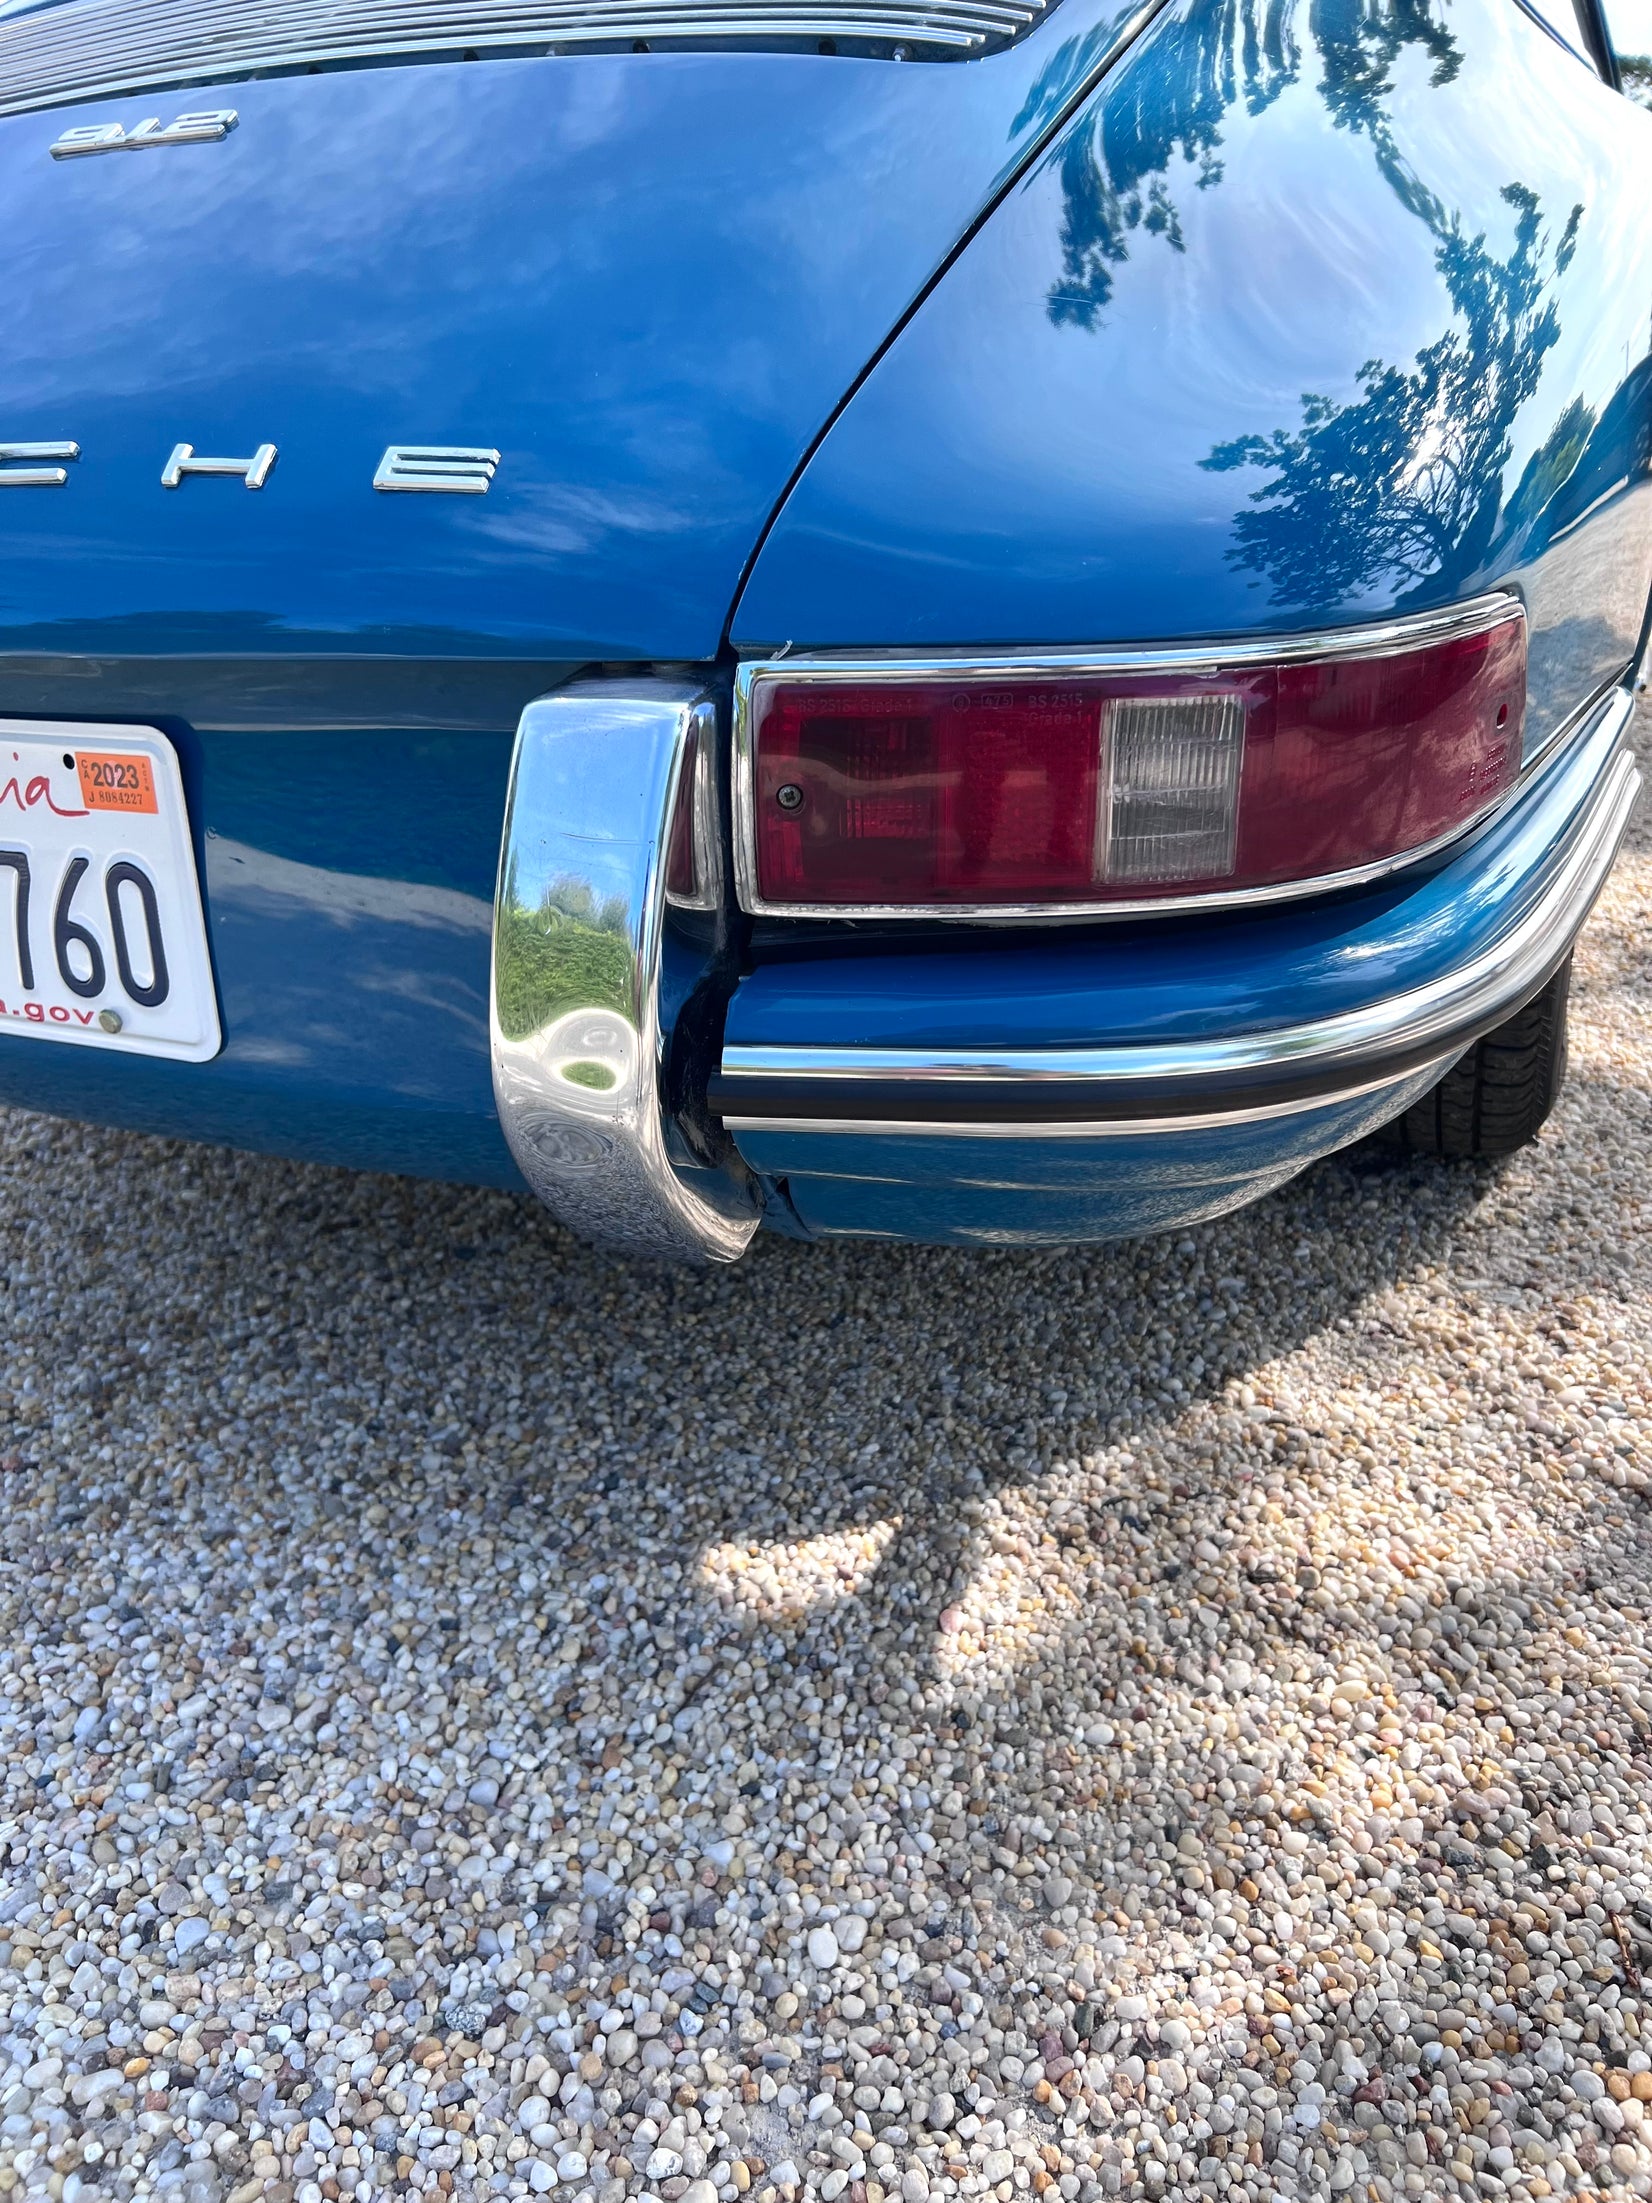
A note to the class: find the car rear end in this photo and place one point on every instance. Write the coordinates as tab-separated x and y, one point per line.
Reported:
740	615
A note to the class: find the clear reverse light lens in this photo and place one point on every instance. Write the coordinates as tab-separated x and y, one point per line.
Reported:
1170	808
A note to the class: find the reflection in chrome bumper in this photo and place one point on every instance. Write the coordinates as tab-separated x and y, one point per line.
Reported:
579	1060
1180	1085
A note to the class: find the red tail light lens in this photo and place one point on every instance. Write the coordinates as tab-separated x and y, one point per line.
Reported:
1008	787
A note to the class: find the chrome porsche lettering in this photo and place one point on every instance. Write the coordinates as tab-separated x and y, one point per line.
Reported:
20	467
205	128
254	471
463	470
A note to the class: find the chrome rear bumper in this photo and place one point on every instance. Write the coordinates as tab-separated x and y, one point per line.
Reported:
579	1057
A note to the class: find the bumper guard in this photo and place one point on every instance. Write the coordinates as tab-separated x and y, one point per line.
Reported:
579	1058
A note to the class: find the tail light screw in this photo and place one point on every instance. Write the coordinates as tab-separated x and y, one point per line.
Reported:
789	796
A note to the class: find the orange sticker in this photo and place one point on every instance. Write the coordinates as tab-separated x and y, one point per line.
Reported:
121	783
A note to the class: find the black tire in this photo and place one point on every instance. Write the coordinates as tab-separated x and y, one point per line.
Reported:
1497	1097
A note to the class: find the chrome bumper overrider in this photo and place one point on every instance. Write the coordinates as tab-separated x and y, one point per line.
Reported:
579	1061
1234	1079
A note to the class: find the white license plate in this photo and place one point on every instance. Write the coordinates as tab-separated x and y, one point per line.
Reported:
102	940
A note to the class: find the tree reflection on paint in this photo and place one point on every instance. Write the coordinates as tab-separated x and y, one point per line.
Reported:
1401	485
1412	469
1114	173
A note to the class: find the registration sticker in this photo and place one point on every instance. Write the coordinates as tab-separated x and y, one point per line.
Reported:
116	783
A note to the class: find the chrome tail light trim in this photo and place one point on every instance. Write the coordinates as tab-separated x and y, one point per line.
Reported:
1375	639
579	1059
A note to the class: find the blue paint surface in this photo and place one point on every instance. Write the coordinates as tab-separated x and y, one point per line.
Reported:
1003	1192
645	279
348	884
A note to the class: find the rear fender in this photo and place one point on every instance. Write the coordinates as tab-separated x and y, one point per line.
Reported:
1313	313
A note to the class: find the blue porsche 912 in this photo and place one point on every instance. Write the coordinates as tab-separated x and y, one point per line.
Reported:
989	621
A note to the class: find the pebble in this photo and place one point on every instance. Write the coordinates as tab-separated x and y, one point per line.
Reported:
823	1950
1156	1720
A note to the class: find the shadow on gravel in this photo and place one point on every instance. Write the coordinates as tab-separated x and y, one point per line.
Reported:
1129	1540
666	1428
808	1391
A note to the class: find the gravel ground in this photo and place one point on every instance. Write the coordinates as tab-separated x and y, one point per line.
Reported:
1156	1720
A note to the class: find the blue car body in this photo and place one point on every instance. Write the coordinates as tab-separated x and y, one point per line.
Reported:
1217	320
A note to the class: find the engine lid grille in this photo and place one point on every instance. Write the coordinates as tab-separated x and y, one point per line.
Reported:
95	49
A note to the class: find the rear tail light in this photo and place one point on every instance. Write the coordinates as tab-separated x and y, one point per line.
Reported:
887	788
